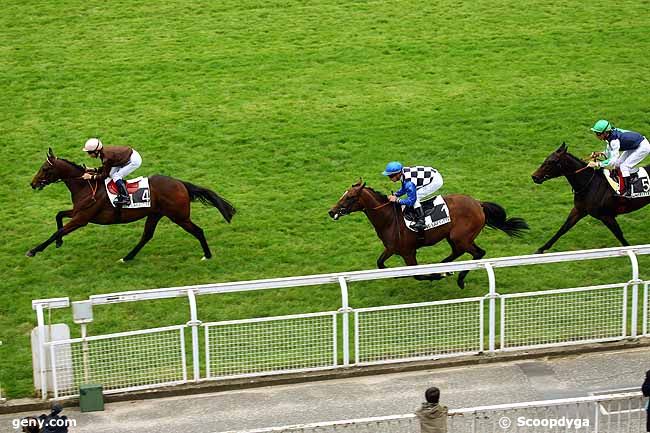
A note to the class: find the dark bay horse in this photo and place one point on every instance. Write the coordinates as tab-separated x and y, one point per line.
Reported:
90	204
468	217
592	194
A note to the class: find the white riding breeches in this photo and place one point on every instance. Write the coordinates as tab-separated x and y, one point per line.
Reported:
630	158
428	191
118	173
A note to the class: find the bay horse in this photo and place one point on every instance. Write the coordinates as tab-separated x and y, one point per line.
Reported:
90	204
592	194
468	217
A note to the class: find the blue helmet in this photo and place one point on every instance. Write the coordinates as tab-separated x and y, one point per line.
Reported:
392	167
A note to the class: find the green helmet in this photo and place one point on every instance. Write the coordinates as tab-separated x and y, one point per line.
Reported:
601	126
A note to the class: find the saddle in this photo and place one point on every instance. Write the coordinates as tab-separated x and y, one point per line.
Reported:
436	213
138	189
131	186
639	180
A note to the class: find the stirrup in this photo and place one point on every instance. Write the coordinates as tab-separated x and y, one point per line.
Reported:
122	200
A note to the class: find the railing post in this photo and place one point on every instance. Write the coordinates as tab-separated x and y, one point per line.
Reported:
41	350
646	301
194	323
492	306
345	311
635	293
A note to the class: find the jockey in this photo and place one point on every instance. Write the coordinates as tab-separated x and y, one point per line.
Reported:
634	148
419	183
117	163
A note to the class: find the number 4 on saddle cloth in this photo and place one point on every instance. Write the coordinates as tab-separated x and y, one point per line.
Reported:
137	188
436	213
640	182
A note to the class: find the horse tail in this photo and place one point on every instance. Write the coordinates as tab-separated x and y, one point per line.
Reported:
208	197
495	217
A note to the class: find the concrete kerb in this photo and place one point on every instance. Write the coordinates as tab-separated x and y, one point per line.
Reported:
33	404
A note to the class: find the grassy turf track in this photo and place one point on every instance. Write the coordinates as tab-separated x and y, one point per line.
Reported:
279	106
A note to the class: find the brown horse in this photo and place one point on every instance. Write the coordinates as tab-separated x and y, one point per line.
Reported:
90	204
468	217
592	194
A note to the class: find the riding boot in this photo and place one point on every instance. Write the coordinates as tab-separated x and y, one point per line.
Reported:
627	186
122	198
419	224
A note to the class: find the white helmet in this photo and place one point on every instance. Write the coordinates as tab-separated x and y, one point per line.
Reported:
93	145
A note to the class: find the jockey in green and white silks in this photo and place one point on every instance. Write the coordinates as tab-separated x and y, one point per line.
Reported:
624	150
419	183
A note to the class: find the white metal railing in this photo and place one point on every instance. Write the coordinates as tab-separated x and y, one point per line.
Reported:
271	345
463	318
119	362
418	331
646	310
612	413
565	316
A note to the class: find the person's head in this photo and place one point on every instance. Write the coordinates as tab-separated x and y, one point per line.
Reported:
93	147
432	395
393	171
647	374
56	408
602	129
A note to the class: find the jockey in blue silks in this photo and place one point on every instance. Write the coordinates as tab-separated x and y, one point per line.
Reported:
419	183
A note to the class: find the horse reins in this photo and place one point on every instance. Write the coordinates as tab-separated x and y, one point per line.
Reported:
382	205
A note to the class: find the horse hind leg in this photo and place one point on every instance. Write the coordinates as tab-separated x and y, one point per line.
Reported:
197	232
149	229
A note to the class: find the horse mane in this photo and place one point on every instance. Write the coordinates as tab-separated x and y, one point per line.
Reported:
377	193
75	165
575	158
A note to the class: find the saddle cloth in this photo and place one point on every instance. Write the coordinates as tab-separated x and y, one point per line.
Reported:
436	213
137	188
640	185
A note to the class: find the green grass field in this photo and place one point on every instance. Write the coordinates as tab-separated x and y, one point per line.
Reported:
279	106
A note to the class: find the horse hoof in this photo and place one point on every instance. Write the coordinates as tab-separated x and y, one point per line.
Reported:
30	253
121	261
58	244
539	251
461	284
205	258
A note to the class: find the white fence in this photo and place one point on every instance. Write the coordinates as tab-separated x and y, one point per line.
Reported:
614	413
418	331
270	345
566	316
307	342
120	362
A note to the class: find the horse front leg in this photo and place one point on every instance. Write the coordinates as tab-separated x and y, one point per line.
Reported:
59	224
612	225
385	255
71	226
574	216
411	260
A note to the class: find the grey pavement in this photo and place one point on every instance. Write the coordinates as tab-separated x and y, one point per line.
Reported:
387	394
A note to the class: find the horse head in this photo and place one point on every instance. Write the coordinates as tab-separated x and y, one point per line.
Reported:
558	163
349	201
358	197
53	170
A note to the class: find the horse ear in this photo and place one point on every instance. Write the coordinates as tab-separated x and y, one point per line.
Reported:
562	148
50	153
